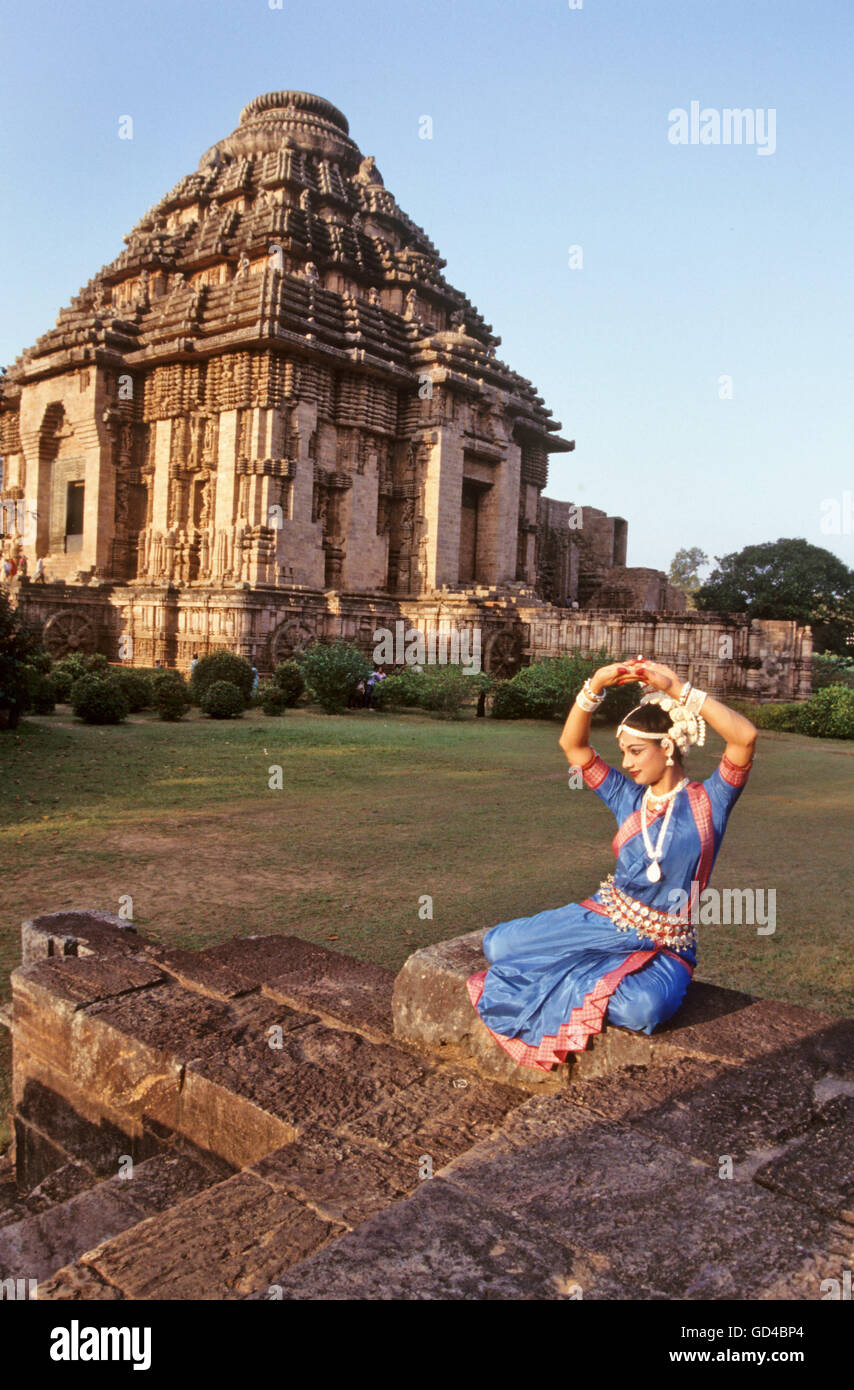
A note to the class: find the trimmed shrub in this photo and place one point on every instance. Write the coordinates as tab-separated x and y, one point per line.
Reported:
828	714
508	701
170	695
439	689
135	687
271	697
221	667
98	700
289	678
39	691
65	672
401	690
332	670
222	700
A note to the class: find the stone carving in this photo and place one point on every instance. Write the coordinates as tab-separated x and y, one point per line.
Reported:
368	171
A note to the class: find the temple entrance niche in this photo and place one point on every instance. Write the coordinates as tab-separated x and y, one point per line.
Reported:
74	517
471	522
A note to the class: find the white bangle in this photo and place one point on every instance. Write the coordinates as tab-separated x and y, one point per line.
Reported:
695	700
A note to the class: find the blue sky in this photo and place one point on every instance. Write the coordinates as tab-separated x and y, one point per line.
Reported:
550	130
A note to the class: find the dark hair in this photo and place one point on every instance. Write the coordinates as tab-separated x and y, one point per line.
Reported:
652	719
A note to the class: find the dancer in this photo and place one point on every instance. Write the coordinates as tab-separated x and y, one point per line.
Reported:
630	949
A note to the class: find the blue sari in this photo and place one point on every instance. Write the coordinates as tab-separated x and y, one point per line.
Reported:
552	977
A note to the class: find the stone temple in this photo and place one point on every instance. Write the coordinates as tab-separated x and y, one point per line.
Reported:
272	419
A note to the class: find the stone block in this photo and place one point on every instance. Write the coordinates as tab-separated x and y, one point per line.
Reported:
198	972
257	959
77	1282
320	1076
226	1242
71	1179
668	1225
340	1179
47	995
43	1243
445	1244
36	1156
439	1116
58	1124
338	987
734	1027
710	1108
818	1167
77	933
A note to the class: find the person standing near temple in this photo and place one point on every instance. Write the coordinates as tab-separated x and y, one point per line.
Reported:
38	577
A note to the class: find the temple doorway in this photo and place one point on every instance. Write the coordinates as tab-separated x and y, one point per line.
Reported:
472	494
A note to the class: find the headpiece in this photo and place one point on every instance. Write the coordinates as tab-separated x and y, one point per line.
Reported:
686	728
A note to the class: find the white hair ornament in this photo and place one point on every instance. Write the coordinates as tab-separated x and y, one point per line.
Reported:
686	729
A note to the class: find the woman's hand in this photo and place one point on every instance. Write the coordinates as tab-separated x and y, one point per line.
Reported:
615	674
652	673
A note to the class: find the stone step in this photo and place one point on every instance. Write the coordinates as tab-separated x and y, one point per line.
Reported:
43	1242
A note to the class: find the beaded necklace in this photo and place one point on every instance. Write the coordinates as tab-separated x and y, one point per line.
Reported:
653	873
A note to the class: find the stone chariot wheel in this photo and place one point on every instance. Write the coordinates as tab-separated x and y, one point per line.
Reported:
504	655
291	638
68	632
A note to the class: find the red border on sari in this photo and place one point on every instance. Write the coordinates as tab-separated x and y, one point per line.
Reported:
583	1022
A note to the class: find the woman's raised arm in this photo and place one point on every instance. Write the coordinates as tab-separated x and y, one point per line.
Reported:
574	739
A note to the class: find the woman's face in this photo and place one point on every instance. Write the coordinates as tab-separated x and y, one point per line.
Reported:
644	759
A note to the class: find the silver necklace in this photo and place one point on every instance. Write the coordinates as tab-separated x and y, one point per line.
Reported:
653	873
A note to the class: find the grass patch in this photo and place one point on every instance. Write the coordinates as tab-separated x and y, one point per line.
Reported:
378	810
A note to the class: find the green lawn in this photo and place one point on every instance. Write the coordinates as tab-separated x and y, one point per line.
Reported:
378	810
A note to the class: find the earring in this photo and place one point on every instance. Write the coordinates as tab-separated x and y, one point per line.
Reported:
668	748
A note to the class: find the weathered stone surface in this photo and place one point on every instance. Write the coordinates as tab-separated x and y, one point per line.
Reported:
667	1223
818	1167
737	1028
224	1243
46	996
257	959
197	972
339	1179
163	1181
439	1116
77	933
77	1282
73	1123
68	1181
11	1200
50	1235
36	1156
319	1076
442	1243
714	1109
337	986
42	1243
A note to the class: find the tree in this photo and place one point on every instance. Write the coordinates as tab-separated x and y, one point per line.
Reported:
786	579
684	569
17	646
